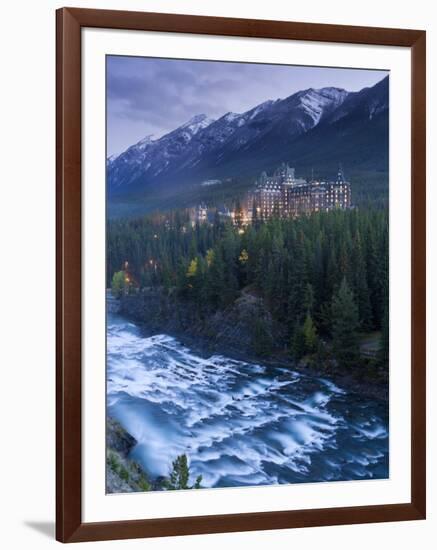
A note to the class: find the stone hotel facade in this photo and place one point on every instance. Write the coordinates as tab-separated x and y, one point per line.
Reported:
284	195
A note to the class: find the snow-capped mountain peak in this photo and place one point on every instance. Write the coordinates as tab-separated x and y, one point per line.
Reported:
196	123
145	142
261	107
229	117
318	103
203	148
111	158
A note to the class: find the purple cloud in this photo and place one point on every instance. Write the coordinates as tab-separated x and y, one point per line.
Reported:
153	96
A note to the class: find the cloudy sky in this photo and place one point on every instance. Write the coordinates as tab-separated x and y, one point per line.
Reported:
150	96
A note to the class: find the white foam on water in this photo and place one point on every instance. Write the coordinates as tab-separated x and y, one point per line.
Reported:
239	423
332	387
376	432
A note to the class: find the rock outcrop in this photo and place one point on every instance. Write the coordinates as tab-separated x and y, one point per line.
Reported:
235	328
122	474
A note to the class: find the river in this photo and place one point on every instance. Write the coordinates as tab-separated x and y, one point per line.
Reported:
239	423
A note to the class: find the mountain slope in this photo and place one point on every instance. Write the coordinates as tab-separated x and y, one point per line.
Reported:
151	158
355	134
311	129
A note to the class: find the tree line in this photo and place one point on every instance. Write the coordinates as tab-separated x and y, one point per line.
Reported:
322	276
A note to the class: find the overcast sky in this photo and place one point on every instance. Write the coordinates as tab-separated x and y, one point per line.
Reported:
150	96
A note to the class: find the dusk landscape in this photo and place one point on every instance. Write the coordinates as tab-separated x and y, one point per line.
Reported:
247	274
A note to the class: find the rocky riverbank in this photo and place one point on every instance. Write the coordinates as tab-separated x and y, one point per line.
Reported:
122	474
231	329
231	332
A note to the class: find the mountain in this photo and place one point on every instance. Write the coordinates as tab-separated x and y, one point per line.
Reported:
355	134
147	159
311	129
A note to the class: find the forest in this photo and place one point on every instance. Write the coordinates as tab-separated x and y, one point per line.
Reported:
323	277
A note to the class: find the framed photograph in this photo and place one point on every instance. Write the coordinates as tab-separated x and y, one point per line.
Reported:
240	275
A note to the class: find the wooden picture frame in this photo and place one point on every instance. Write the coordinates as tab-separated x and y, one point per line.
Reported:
69	524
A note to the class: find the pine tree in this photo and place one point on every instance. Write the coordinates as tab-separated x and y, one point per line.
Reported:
261	338
385	327
345	324
308	299
229	248
310	335
318	270
384	349
297	343
215	278
361	289
297	282
180	475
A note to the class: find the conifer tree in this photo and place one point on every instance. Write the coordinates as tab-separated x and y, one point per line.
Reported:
345	324
297	281
310	335
384	349
215	278
262	341
308	298
297	344
361	289
180	475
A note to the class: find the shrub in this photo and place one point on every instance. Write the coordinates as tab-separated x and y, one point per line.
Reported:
123	473
144	485
180	475
113	462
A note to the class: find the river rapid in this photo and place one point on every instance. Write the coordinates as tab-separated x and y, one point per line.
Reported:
240	423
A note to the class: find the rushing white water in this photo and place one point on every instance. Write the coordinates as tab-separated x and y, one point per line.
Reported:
239	423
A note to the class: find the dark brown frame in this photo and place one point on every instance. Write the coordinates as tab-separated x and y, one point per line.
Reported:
69	526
